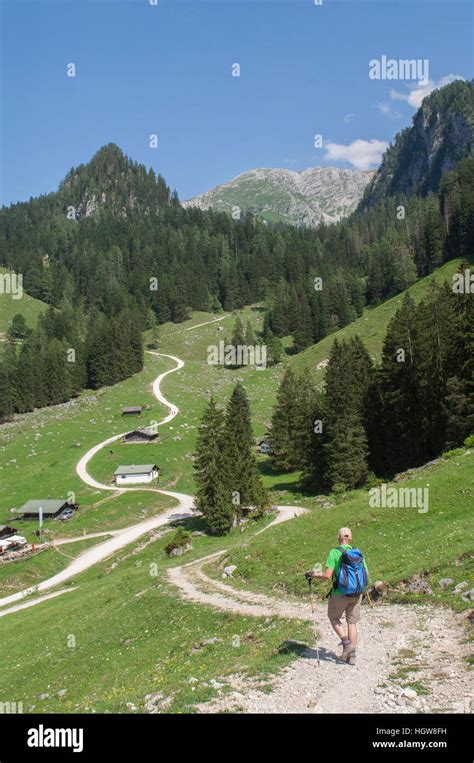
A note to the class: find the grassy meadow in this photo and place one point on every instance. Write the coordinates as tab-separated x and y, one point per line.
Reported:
398	542
29	307
124	633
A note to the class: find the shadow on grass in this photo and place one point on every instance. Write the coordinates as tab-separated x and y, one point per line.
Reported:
266	470
193	524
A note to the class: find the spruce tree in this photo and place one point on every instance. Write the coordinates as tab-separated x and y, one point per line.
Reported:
303	331
213	494
244	479
238	334
7	391
282	432
346	447
250	339
25	380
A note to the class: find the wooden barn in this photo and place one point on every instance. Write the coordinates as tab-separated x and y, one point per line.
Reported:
144	435
6	531
132	410
51	508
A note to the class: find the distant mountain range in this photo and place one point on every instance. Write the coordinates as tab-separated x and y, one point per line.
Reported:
318	194
441	135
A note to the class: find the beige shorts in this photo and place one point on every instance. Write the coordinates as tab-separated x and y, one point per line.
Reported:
339	604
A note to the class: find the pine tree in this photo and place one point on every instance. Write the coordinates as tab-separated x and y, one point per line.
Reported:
244	480
238	334
458	408
275	350
25	380
250	339
346	447
237	342
401	432
213	495
281	432
56	373
303	331
18	328
7	390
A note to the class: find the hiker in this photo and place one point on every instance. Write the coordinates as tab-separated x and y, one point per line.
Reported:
348	570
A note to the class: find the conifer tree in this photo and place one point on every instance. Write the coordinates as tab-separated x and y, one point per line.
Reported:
401	428
303	326
25	385
250	339
274	350
346	447
18	328
213	495
238	334
237	341
281	433
244	480
7	390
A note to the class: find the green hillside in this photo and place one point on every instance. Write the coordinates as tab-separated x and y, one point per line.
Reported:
29	307
372	324
398	542
133	635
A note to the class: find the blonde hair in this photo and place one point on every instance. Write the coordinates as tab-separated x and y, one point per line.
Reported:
344	532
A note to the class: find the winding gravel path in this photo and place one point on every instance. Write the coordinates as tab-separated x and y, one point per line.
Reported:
123	537
119	538
311	684
392	639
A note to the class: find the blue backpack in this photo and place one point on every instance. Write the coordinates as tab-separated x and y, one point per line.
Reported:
352	576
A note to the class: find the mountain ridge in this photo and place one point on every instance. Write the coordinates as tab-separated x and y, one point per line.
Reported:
306	197
442	134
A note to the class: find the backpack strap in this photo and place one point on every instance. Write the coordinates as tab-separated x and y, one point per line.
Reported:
334	576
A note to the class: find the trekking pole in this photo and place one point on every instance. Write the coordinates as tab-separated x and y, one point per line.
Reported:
313	612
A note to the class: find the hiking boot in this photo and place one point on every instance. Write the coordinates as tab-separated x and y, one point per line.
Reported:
351	660
348	650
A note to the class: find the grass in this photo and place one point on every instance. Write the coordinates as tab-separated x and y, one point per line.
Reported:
398	543
29	307
39	453
27	572
124	634
372	325
132	636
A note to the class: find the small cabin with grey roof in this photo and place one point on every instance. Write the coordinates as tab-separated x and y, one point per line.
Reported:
136	473
51	508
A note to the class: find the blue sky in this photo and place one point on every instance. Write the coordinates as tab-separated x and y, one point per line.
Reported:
167	70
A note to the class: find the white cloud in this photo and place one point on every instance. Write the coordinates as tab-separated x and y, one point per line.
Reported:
362	154
421	90
348	118
387	111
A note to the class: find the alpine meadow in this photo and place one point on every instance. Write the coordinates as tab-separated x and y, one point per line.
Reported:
236	371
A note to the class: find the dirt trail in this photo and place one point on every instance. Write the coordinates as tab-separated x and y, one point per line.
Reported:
422	646
396	648
126	535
